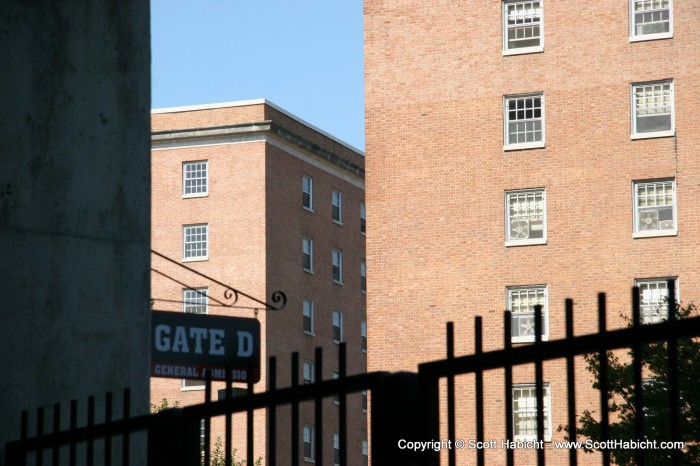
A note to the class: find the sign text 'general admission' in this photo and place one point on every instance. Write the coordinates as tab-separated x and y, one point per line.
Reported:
197	346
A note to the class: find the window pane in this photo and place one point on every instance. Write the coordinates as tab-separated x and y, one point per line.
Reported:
195	174
524	120
523	21
655	206
526	215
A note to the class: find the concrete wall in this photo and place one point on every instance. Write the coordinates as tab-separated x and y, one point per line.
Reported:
74	204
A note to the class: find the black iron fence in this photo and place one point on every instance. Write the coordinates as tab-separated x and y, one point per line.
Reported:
405	406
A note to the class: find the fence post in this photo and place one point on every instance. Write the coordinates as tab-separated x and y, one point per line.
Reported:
173	439
396	417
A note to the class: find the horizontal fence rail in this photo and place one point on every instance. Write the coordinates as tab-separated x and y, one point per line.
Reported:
404	405
536	353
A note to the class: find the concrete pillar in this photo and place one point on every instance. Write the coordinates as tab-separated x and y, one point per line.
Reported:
74	204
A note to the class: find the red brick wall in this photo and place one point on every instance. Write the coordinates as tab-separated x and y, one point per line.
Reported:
437	173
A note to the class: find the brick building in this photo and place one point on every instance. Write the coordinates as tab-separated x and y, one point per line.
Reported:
523	152
256	198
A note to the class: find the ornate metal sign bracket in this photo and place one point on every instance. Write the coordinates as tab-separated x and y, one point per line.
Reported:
231	294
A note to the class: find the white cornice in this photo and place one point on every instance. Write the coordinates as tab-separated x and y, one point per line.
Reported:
244	103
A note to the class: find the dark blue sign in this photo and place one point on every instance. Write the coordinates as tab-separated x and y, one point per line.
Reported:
197	346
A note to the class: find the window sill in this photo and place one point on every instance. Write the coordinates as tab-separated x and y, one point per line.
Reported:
654	234
311	334
196	259
309	271
525	242
192	389
521	340
337	282
308	209
644	38
338	222
193	196
337	342
655	134
523	51
309	460
527	145
531	438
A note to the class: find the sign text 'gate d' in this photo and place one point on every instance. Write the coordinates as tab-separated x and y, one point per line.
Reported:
198	346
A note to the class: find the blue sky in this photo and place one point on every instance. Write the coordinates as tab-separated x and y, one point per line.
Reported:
306	56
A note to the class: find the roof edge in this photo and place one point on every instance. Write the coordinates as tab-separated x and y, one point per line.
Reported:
244	103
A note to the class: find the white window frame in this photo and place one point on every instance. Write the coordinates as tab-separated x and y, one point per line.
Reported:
363	336
307	249
365	453
194	298
645	217
336	397
199	171
364	400
308	316
531	407
336	449
337	206
308	372
507	27
516	235
308	439
363	277
520	317
189	230
337	322
634	37
651	308
633	106
507	144
337	266
363	218
307	189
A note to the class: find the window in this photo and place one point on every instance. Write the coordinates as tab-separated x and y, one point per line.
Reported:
337	202
308	312
522	27
521	304
338	266
652	109
308	372
654	208
336	449
364	401
195	242
202	435
194	179
363	335
651	19
653	299
363	219
307	245
308	443
336	397
524	121
307	189
363	277
337	326
365	453
194	300
526	217
525	412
